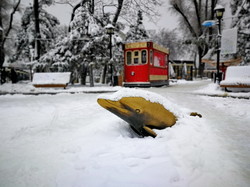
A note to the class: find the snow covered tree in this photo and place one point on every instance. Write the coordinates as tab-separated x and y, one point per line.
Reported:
7	10
85	45
125	9
26	36
128	9
241	11
71	50
137	32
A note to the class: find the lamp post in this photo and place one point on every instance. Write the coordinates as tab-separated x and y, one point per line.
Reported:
219	10
110	31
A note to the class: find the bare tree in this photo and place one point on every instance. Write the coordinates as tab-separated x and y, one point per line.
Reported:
125	9
170	40
118	11
192	13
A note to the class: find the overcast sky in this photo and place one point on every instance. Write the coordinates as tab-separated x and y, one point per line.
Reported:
166	20
63	13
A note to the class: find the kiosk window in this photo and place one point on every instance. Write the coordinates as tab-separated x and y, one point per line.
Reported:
136	57
143	56
129	57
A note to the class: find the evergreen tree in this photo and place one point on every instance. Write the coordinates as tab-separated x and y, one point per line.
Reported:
137	32
70	53
241	11
26	36
86	44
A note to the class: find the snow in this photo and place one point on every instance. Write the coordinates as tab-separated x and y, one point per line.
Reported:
215	90
69	140
51	78
28	88
237	75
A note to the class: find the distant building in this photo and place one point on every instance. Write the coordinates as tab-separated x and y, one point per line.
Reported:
183	69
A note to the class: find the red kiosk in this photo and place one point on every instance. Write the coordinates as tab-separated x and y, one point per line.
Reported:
145	65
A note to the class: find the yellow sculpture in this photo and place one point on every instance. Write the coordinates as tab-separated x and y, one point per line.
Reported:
141	114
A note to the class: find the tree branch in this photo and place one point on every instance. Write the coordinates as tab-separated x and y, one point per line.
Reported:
63	3
73	12
118	11
11	20
191	29
197	12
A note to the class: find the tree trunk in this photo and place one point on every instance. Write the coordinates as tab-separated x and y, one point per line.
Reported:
118	11
92	6
198	15
4	35
11	20
206	10
213	4
37	30
91	76
200	71
104	74
1	40
84	74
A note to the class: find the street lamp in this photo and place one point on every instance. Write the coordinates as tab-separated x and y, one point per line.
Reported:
110	31
219	10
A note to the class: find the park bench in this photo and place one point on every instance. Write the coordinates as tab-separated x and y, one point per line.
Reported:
237	79
51	80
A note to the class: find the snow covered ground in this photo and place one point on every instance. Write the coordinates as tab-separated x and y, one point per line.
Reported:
68	140
28	88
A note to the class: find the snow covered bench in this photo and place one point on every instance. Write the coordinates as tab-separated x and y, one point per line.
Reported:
51	79
237	78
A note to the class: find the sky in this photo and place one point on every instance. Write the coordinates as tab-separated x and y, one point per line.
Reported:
166	20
